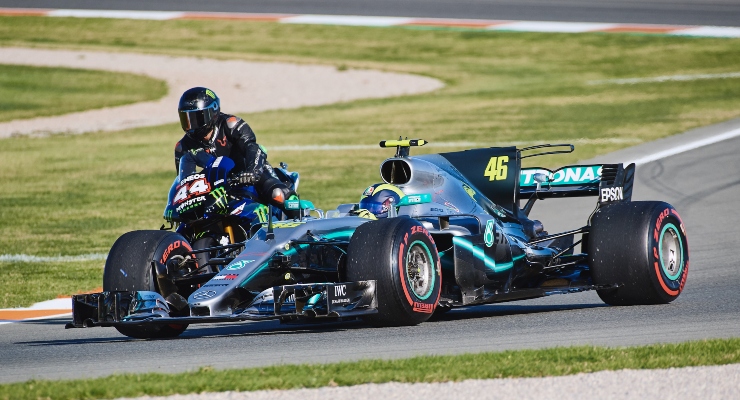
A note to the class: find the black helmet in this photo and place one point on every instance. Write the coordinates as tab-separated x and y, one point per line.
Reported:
379	198
198	110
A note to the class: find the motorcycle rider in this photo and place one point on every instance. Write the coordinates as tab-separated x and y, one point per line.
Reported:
209	133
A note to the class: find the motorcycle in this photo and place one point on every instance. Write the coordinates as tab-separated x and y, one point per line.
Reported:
209	208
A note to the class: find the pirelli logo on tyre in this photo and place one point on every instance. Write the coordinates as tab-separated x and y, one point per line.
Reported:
174	245
419	270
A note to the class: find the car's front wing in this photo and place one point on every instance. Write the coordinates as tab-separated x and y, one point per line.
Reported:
290	302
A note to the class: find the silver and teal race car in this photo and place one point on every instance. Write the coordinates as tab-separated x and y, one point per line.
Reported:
460	235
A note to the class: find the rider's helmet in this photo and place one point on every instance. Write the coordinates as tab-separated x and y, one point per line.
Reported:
379	198
198	110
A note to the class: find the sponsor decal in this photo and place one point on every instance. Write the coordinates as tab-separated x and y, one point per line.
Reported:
565	176
217	162
187	190
262	212
340	291
416	306
219	192
451	207
192	178
434	209
252	254
611	194
368	191
469	191
239	209
497	170
287	224
192	203
174	245
424	307
657	232
488	236
498	212
215	284
210	93
227	277
236	265
205	294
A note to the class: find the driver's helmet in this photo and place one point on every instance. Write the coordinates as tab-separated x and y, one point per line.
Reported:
198	109
379	198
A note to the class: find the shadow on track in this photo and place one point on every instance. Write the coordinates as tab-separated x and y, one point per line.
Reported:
501	310
274	328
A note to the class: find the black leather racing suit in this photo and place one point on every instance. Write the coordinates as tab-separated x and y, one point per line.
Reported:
233	138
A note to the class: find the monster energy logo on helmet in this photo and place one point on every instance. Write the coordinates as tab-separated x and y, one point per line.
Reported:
210	93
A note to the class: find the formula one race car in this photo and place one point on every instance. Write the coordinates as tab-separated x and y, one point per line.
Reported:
455	235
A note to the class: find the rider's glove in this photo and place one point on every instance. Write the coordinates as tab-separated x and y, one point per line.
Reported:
246	178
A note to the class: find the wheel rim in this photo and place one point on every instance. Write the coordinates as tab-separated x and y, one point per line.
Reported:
420	270
671	251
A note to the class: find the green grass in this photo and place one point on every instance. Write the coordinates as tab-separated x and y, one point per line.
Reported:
27	92
24	283
508	364
500	87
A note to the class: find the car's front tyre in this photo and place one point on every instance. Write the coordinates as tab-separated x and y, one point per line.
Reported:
400	254
130	267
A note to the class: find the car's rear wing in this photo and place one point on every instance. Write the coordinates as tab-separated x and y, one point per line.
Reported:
611	182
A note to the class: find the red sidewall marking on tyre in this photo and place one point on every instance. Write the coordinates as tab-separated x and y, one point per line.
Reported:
656	235
662	284
401	273
426	308
174	245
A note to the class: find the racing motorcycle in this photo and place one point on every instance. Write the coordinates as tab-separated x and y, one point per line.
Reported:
209	208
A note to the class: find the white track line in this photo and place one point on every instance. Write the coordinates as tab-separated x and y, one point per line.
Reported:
686	147
381	21
666	78
38	259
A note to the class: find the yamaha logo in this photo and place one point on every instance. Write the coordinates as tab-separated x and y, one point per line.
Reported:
204	295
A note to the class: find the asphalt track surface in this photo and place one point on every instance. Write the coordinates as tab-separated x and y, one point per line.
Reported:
690	12
703	184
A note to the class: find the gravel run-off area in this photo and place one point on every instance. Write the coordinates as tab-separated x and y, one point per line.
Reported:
243	86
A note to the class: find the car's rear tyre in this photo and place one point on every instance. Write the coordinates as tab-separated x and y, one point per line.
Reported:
642	247
130	267
400	254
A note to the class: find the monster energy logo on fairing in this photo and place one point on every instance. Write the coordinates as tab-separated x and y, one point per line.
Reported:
220	195
261	212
